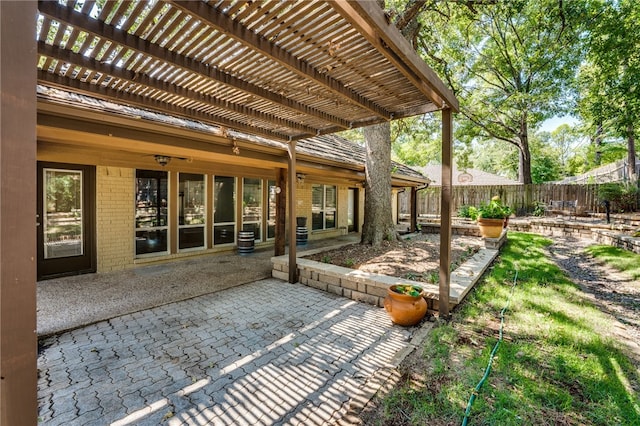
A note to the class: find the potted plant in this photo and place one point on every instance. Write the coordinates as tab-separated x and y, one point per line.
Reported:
492	217
405	304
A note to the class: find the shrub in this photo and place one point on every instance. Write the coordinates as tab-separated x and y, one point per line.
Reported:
494	209
622	196
466	212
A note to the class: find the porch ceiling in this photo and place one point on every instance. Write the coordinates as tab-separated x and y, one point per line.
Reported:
285	70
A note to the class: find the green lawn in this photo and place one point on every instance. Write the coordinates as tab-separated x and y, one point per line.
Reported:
620	259
556	364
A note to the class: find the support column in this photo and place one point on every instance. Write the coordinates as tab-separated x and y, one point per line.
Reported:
293	265
414	209
445	215
18	341
281	213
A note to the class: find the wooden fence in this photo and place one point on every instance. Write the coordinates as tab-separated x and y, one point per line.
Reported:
521	198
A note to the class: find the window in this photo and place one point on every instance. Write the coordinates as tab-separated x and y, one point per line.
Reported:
151	211
252	206
323	207
63	219
224	211
192	212
271	211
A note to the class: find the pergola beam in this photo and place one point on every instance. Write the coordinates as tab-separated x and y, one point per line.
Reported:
371	22
243	35
141	46
119	73
149	103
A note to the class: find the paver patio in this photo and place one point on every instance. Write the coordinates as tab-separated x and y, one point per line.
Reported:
263	353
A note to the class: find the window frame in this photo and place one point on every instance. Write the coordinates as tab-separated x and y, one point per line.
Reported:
255	224
233	223
324	209
165	227
202	225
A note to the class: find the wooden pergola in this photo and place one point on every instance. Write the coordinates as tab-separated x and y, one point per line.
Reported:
279	70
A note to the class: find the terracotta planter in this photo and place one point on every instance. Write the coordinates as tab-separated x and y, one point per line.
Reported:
404	309
490	228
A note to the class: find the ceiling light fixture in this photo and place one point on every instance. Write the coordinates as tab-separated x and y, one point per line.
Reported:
163	160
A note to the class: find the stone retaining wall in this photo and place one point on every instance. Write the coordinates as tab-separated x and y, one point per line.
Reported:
615	239
613	235
372	288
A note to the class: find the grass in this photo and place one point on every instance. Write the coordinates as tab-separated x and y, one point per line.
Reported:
622	260
556	364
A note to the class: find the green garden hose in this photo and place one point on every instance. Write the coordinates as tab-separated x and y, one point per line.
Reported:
476	390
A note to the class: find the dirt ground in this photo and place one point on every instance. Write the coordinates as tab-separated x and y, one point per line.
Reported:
416	258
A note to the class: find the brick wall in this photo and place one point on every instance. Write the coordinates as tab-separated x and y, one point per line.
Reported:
303	202
115	218
343	207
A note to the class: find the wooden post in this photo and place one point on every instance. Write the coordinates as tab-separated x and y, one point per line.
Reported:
18	341
445	215
293	265
414	209
281	213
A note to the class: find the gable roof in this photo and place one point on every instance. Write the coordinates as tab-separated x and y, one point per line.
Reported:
331	148
468	177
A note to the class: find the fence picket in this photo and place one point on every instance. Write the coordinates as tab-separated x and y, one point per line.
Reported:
521	198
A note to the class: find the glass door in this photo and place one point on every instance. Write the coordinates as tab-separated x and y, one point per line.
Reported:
66	205
152	212
252	206
191	211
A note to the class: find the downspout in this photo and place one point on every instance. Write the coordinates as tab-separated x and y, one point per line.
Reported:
414	206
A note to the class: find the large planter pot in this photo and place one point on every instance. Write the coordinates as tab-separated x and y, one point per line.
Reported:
490	228
404	309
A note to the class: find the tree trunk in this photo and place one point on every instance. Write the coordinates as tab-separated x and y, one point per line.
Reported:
378	219
524	165
631	154
598	144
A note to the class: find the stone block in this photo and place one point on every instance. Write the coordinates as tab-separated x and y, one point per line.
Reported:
349	284
318	284
377	290
305	273
280	275
365	298
335	289
329	279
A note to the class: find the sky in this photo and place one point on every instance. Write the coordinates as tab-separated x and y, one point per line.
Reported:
553	123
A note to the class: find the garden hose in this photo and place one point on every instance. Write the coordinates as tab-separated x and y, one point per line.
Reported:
476	390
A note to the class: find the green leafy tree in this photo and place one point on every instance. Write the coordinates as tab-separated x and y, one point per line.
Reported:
506	61
609	93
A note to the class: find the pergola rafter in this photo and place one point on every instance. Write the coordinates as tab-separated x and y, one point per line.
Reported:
294	69
222	23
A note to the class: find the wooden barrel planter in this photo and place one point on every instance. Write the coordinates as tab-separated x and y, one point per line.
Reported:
302	234
246	242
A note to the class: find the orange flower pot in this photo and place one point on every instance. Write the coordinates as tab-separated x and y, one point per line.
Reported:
404	309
